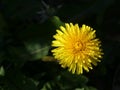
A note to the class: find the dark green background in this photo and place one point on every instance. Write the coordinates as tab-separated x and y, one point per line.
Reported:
26	30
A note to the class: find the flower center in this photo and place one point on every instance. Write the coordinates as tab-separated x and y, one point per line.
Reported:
78	45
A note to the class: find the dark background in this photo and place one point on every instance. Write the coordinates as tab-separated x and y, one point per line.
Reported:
26	29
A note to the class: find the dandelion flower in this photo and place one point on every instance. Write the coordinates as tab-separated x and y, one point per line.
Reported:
76	48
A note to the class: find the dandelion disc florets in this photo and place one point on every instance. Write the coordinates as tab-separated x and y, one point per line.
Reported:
76	47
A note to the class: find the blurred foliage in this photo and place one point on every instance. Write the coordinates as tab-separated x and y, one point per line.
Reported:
26	30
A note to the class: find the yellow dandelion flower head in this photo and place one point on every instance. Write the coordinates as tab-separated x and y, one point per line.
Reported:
76	48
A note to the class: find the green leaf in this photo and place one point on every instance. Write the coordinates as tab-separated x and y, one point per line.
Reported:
68	81
36	49
15	80
89	88
2	71
47	86
81	80
79	89
56	21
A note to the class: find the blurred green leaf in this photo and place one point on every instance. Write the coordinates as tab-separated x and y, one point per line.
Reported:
36	50
2	71
69	81
47	86
89	88
15	80
81	80
56	21
79	89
